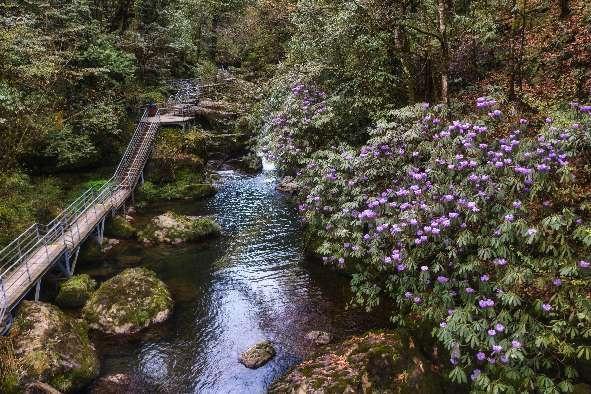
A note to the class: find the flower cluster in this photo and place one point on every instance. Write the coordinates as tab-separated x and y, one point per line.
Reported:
291	127
475	232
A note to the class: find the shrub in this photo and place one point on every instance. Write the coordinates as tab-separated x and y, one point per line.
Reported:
480	227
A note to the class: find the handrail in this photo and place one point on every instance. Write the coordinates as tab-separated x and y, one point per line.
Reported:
38	238
64	230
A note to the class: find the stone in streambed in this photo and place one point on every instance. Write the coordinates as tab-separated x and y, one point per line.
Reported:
49	347
174	229
112	384
319	337
74	292
287	185
120	227
258	355
128	303
378	362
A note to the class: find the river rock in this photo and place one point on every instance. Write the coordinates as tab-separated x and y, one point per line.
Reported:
51	348
128	303
74	292
319	337
378	362
40	388
287	185
120	227
110	243
174	229
112	384
258	355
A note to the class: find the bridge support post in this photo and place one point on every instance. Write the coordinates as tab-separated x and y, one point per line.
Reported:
100	232
5	323
142	177
37	289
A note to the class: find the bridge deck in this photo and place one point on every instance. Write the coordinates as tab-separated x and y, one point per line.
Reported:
34	252
20	281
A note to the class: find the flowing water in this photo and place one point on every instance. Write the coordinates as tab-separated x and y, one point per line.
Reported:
251	284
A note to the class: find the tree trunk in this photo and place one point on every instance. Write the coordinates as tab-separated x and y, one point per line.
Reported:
442	22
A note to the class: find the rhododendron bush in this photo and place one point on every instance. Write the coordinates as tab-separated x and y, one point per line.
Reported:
481	227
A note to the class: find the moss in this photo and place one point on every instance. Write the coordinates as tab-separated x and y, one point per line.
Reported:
54	349
128	302
118	227
91	252
75	291
380	361
172	227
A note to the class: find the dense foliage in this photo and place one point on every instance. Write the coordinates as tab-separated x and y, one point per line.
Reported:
480	225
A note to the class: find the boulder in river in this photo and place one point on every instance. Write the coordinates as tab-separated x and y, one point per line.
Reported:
48	347
118	383
287	185
120	227
128	303
258	355
319	337
380	362
74	292
174	229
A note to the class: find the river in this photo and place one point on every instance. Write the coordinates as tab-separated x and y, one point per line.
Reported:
251	284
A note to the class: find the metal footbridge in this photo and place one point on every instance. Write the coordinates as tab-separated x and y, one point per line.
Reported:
56	245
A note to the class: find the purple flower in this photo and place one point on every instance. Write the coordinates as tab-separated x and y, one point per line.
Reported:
509	217
443	324
556	281
492	332
500	262
424	268
546	307
486	303
497	349
584	264
499	327
469	290
401	267
504	359
515	344
480	356
442	279
475	374
531	232
484	278
368	214
517	204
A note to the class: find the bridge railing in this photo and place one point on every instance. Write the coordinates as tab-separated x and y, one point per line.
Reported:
130	150
65	226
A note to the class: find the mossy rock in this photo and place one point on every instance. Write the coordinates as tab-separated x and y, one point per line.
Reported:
128	303
378	362
49	347
258	355
250	163
74	292
91	252
118	227
175	229
198	191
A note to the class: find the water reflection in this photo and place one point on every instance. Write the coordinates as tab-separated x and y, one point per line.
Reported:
247	286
